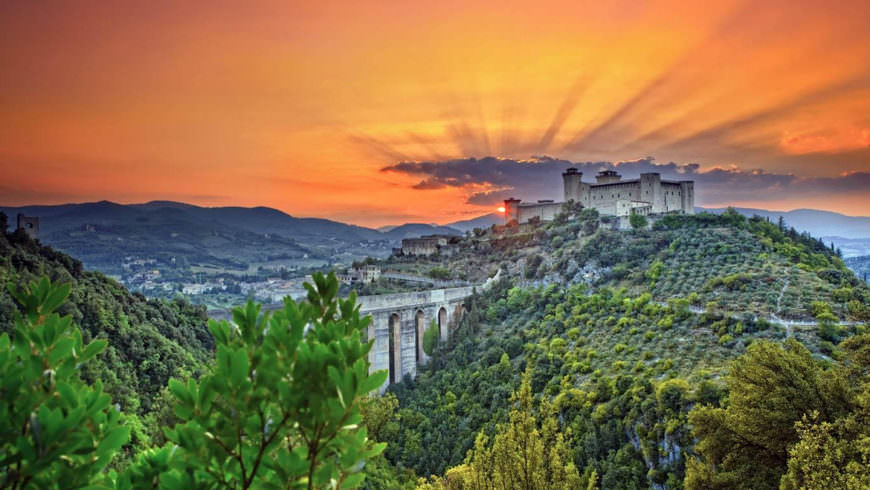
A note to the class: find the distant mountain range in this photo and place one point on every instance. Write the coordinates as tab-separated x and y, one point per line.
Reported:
219	231
155	213
261	220
104	234
484	221
413	230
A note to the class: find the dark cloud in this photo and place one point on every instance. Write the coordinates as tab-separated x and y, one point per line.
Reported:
539	177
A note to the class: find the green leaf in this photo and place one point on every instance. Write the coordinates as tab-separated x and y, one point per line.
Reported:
373	381
240	367
55	297
178	389
62	349
353	481
113	441
68	394
92	349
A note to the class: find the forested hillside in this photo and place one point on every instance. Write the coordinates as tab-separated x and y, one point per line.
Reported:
150	340
622	334
701	352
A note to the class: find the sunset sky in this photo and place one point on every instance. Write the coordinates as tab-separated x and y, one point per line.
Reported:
384	112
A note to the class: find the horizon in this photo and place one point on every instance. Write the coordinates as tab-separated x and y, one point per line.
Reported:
392	224
377	114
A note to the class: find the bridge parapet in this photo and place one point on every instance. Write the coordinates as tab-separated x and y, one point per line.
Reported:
370	304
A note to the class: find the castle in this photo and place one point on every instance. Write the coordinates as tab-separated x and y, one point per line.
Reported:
611	196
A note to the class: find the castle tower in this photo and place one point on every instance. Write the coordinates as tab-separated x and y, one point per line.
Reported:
608	177
687	194
511	210
30	225
572	180
651	191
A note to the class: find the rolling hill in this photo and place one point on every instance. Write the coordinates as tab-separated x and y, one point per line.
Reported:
103	234
150	340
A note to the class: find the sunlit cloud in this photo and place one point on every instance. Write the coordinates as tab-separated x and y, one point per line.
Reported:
299	105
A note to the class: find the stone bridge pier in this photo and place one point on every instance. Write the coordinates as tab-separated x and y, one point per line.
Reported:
398	323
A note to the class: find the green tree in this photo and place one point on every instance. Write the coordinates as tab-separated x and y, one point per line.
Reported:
830	455
638	221
281	405
55	429
656	268
529	452
378	414
836	454
771	388
439	273
431	338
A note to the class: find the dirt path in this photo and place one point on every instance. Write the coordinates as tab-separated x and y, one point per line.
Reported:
775	316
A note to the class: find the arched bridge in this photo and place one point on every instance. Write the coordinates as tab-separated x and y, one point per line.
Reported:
398	323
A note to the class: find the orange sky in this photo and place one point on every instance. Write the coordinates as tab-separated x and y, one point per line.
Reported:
298	105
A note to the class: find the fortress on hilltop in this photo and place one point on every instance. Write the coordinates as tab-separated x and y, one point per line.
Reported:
611	196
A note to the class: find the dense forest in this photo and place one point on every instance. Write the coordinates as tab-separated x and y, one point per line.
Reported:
149	340
694	352
626	361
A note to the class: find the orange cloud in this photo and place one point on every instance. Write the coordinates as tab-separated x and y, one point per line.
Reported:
298	105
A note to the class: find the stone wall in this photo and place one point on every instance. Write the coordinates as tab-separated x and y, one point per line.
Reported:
543	211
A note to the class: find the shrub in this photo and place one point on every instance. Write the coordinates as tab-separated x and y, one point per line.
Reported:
638	221
281	405
439	273
55	427
431	338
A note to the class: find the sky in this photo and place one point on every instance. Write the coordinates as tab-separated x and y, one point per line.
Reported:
384	112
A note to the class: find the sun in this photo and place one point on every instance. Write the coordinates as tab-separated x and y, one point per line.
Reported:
501	209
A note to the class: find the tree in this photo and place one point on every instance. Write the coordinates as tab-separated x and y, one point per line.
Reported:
836	454
280	406
56	429
771	388
439	273
638	221
378	414
830	455
431	338
529	452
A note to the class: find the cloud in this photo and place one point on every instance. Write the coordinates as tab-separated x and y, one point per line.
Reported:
491	180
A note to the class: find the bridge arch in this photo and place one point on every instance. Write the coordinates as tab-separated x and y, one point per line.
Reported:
460	312
395	348
419	329
442	323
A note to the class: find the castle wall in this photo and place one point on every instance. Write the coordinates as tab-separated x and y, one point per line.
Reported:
543	211
673	199
614	199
